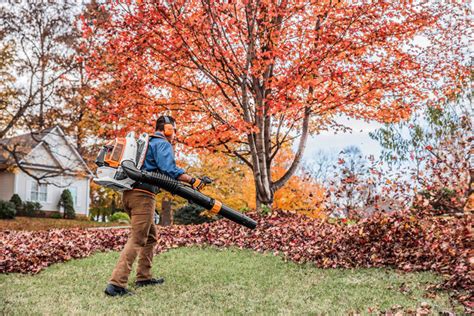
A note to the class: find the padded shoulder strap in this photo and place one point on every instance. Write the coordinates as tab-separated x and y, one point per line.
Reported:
142	148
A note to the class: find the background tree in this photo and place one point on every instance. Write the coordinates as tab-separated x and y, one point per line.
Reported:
103	202
248	77
319	165
76	88
45	82
230	179
233	183
40	31
436	146
302	193
7	90
349	190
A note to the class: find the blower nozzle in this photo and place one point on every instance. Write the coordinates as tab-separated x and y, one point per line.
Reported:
175	187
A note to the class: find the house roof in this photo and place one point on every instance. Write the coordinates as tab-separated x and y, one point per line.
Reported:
23	145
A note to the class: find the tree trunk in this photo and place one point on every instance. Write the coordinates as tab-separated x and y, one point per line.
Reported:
113	207
256	89
261	160
264	196
43	60
261	163
166	216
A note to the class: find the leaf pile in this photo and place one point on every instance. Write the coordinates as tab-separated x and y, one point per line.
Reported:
32	251
405	242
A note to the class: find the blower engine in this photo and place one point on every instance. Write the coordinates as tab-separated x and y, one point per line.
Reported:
110	173
119	164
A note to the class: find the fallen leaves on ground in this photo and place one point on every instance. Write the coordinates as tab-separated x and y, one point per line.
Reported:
404	242
37	223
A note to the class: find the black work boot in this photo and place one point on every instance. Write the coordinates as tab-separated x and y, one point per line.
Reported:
114	290
150	282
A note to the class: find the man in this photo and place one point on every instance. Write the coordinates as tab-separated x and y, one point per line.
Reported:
140	204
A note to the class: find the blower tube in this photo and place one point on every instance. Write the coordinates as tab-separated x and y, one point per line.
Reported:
175	187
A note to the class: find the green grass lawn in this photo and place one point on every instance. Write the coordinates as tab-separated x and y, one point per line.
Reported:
212	281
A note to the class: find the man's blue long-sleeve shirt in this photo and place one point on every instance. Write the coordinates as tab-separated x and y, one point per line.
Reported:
160	157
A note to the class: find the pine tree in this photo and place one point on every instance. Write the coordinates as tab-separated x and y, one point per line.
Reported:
67	203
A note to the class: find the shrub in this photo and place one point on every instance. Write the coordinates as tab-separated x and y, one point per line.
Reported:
189	214
56	216
266	209
67	203
31	208
7	210
16	199
120	217
244	209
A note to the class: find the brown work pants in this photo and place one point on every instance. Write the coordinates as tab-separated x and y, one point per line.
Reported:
140	206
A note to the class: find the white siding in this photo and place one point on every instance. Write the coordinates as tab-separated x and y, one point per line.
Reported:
62	151
55	188
21	182
7	185
41	156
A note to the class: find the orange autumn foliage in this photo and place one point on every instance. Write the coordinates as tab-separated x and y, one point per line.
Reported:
234	185
232	181
246	77
301	194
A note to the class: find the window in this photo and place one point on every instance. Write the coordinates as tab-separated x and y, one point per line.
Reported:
39	192
73	191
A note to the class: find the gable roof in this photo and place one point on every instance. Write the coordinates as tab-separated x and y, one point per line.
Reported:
21	145
24	145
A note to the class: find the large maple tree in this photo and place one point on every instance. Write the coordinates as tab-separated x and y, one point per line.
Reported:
248	77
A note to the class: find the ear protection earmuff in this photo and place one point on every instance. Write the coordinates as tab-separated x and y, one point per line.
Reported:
168	127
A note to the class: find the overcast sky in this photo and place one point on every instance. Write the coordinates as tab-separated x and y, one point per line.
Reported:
328	141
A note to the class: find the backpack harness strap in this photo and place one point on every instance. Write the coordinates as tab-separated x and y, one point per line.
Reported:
144	186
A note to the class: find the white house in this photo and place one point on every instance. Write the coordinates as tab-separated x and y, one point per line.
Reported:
47	155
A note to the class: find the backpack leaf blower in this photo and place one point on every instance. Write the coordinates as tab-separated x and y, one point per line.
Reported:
119	165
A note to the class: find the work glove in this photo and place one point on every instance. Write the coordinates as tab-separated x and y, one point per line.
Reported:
199	183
